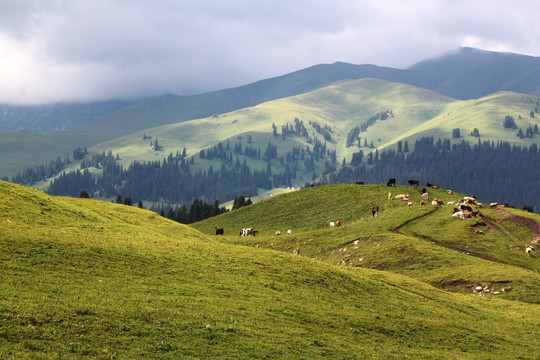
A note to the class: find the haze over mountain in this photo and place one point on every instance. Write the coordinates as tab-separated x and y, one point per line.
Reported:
464	74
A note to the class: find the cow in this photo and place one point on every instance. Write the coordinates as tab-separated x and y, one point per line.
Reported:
432	186
529	250
359	183
248	232
389	195
403	197
289	232
219	231
391	182
413	182
338	223
374	211
332	224
278	232
425	196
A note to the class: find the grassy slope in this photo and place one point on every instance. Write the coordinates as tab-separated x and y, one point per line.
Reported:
89	279
417	112
341	107
429	255
485	114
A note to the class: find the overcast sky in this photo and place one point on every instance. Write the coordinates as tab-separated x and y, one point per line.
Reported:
85	50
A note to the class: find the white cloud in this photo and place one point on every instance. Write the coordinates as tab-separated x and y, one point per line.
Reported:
76	50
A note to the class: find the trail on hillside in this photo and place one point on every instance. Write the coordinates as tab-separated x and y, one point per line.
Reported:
530	223
397	230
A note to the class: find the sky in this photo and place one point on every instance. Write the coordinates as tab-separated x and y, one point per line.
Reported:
88	50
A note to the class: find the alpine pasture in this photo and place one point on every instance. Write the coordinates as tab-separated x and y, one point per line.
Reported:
82	278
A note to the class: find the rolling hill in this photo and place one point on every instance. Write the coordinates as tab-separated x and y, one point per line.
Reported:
464	74
415	113
89	279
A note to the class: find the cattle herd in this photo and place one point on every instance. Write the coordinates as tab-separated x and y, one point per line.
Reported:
462	208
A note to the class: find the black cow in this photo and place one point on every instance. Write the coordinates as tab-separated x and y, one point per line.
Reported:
391	182
413	182
219	231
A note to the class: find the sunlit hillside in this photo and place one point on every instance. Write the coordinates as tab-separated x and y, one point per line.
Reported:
82	278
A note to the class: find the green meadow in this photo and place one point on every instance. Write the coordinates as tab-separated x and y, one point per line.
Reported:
87	279
340	107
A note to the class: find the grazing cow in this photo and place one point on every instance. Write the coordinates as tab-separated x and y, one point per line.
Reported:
493	204
413	182
425	196
479	232
359	183
219	231
278	233
436	202
422	202
374	211
332	224
391	182
450	192
465	214
465	208
410	203
248	232
338	223
402	197
289	232
529	250
424	190
432	186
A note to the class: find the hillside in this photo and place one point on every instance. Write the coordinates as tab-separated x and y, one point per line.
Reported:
423	242
449	75
88	279
55	117
333	134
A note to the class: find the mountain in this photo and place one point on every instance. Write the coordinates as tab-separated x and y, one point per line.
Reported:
463	74
471	73
340	127
55	117
82	279
344	132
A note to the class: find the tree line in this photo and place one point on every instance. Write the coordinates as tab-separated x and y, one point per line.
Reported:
493	171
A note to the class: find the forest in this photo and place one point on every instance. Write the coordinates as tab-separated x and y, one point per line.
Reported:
493	171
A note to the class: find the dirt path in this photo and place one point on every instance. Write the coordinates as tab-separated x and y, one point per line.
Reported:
530	223
397	230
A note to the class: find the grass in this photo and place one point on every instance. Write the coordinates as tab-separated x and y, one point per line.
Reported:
430	247
341	106
81	278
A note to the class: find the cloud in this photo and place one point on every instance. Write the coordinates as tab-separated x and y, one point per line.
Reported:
78	50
